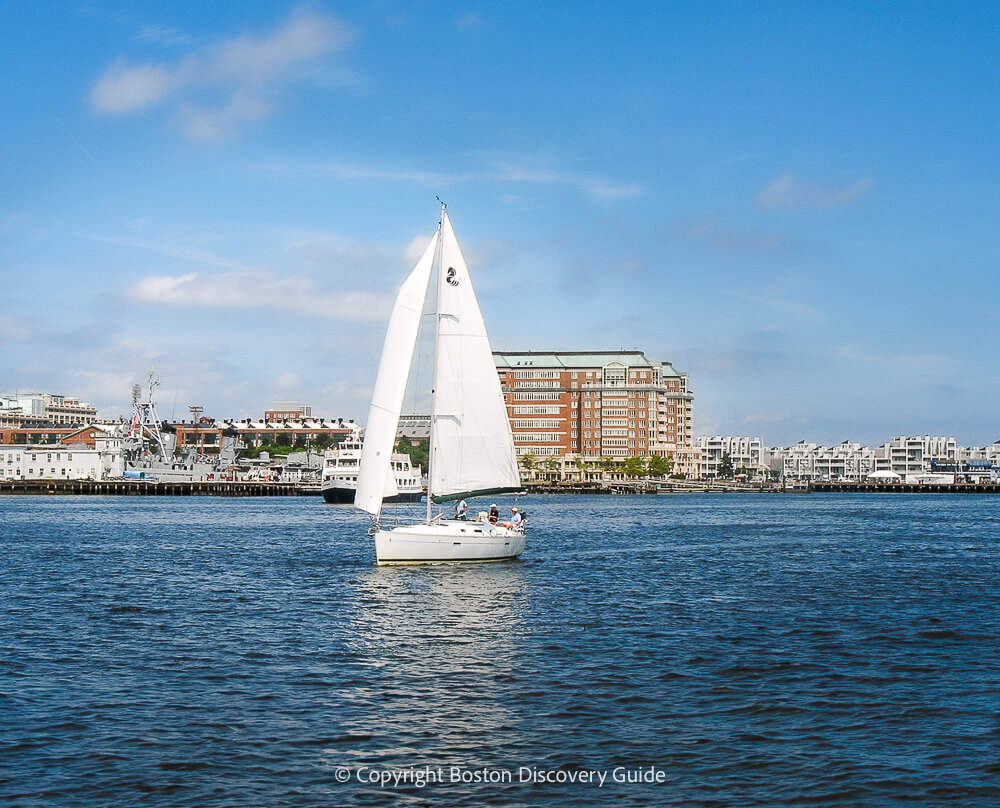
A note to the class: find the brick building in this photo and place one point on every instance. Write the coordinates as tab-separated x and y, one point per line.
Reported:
595	405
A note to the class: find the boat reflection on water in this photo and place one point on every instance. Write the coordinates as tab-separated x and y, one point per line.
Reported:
441	648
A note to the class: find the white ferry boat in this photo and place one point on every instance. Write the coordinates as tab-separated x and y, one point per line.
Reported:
340	475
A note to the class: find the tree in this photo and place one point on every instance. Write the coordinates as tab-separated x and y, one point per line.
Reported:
634	467
418	454
660	466
726	467
528	461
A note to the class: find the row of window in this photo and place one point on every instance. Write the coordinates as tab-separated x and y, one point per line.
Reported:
48	457
541	396
536	423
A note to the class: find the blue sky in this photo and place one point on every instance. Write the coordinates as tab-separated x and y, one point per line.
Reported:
795	203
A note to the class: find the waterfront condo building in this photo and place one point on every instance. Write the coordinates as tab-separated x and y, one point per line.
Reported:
595	405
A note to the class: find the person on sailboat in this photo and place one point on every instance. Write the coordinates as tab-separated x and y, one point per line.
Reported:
494	514
462	510
515	520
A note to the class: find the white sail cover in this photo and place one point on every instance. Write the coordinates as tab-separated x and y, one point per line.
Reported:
375	476
472	448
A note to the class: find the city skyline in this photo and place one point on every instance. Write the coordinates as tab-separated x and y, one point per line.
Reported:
794	205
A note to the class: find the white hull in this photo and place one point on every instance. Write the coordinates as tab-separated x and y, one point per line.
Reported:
447	541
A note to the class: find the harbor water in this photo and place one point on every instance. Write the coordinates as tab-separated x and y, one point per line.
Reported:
689	650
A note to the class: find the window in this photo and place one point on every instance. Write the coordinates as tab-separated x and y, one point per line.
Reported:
614	374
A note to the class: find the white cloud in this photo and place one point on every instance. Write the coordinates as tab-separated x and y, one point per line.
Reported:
782	304
788	191
416	248
163	35
288	381
259	289
9	222
242	77
124	88
710	232
505	169
470	21
912	365
12	329
182	252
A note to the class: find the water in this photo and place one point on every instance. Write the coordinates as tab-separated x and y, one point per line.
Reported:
735	650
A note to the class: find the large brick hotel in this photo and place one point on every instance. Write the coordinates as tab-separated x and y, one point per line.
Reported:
603	404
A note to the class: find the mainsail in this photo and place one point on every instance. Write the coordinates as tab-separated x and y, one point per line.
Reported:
472	449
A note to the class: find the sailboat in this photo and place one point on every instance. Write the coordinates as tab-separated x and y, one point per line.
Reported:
471	445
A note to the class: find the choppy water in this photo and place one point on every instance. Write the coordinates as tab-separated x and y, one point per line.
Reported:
742	650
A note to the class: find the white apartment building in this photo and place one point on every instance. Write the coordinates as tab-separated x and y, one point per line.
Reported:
64	410
744	453
906	456
63	462
909	456
809	461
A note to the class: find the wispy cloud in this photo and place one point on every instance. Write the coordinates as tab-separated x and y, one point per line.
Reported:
13	329
929	365
259	289
10	221
171	250
788	191
710	232
218	88
500	169
164	35
785	305
468	21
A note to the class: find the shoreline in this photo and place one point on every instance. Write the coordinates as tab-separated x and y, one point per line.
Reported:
229	488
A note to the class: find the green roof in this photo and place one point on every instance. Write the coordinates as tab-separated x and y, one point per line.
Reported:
569	360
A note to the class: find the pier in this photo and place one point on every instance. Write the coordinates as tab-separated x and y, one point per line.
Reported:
211	488
905	488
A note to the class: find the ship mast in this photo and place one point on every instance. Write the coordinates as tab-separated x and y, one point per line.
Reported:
437	331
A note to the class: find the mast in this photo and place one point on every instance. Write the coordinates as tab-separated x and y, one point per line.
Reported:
434	370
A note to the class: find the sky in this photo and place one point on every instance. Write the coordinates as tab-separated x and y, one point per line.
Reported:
797	204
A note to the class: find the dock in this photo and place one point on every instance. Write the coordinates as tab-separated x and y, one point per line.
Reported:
118	488
904	488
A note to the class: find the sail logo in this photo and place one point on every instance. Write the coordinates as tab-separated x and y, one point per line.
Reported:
451	276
